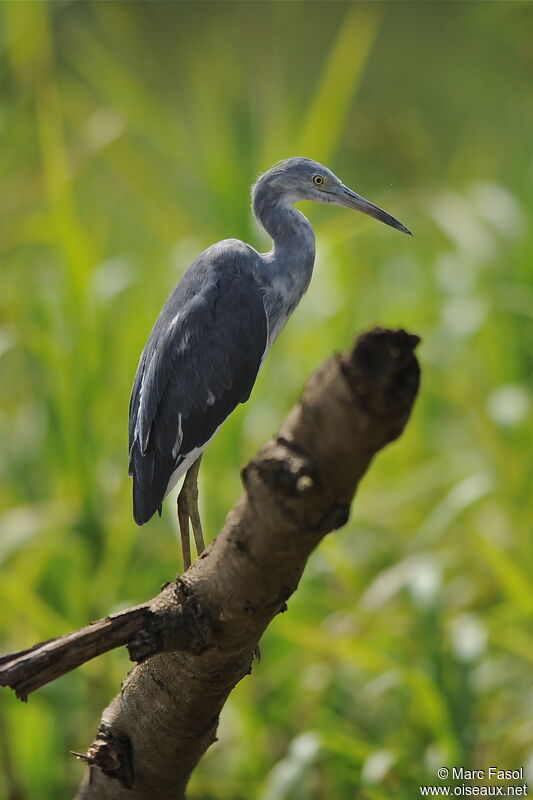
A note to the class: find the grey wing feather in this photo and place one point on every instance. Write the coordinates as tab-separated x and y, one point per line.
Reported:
200	362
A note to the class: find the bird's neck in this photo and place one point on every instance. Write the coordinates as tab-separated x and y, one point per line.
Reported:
293	254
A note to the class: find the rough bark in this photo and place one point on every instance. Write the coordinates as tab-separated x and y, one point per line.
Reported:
166	622
204	628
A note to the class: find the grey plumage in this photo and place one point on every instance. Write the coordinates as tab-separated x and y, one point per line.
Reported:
200	361
205	350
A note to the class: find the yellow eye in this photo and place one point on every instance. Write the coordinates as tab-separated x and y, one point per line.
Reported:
318	180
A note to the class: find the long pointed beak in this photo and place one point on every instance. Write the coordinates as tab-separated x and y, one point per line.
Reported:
352	200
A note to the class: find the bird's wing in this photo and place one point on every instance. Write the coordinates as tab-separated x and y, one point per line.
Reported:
200	362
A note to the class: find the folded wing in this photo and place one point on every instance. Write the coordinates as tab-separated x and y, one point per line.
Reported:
200	362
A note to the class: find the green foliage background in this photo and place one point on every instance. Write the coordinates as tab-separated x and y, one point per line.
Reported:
130	135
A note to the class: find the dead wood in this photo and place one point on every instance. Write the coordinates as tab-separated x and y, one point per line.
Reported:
196	639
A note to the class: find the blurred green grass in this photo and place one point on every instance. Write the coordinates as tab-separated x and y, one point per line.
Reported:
130	135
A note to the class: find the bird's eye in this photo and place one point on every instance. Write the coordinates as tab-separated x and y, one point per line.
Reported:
318	180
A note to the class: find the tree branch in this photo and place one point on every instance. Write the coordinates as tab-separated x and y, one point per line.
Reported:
196	639
163	623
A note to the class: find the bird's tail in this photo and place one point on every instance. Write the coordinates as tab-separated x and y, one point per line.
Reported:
150	480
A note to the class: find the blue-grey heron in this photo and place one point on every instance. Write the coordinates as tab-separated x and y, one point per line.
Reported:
208	343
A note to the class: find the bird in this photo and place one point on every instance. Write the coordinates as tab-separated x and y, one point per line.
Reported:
212	335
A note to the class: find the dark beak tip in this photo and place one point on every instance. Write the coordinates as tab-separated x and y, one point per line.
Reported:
397	225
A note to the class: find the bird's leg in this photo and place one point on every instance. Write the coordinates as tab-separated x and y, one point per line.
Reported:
183	520
188	510
194	514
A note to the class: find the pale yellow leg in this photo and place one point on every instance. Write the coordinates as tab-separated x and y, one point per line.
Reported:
188	510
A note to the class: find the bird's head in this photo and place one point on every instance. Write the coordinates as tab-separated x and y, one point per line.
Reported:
304	179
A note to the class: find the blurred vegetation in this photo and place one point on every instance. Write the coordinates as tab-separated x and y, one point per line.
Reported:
130	135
